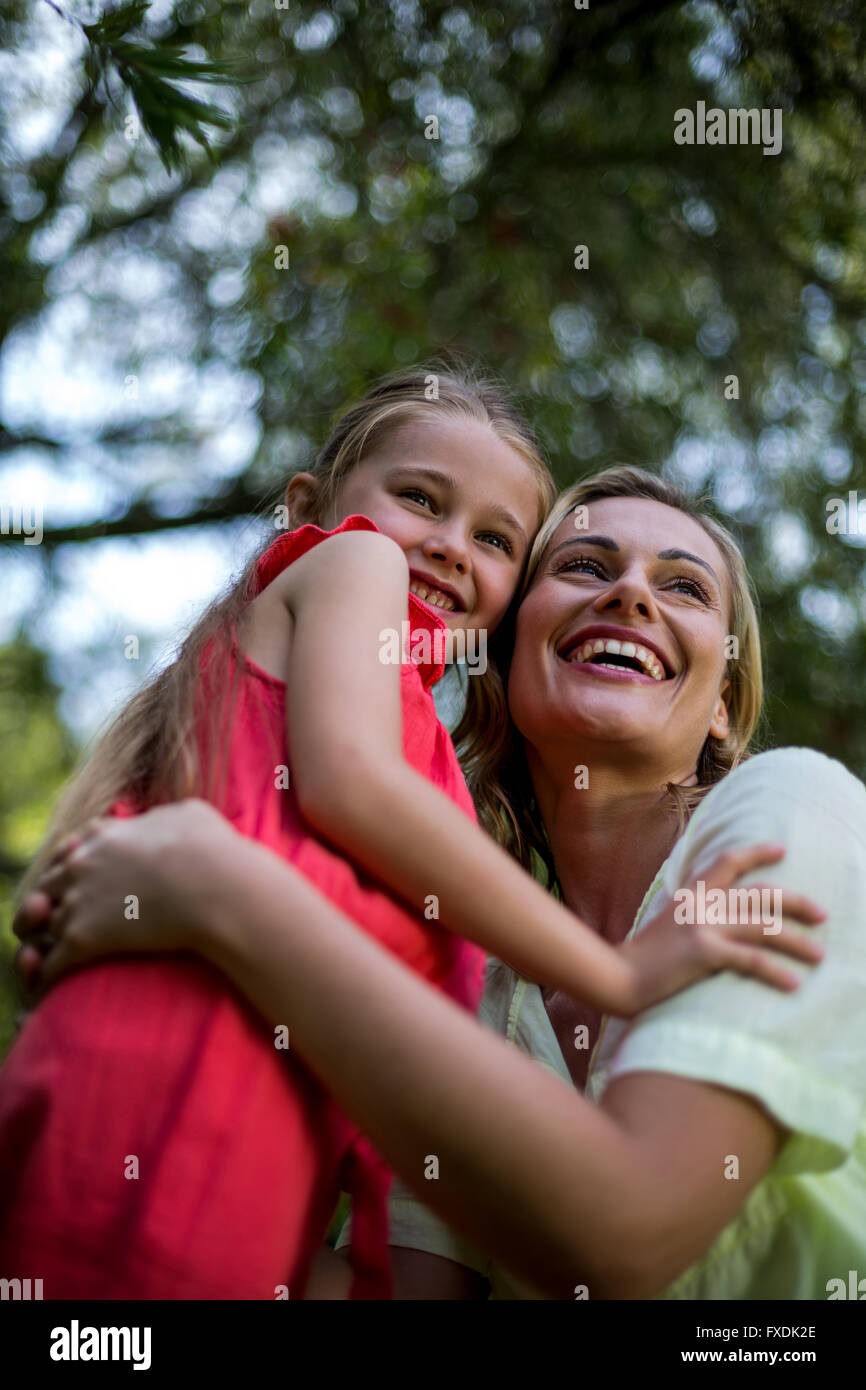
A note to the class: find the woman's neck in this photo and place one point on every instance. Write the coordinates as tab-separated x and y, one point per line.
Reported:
609	839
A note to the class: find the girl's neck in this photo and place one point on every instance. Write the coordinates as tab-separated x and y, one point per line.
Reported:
609	838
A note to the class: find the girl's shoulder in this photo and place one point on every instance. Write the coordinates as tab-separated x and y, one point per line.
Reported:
293	545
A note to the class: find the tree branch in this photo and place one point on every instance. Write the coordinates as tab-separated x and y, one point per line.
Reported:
242	499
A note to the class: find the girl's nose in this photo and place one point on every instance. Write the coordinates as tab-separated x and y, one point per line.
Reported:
449	548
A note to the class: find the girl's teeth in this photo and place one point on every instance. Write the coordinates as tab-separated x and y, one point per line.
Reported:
434	596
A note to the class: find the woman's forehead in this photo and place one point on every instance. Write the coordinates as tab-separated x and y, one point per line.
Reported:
638	523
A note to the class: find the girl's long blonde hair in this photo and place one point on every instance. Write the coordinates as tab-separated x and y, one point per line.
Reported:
150	754
506	776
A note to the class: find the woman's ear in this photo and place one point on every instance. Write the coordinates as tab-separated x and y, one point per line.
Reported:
720	723
302	497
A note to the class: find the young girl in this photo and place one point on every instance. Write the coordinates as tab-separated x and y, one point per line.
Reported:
154	1141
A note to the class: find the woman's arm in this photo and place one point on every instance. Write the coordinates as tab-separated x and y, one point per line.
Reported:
564	1193
415	1275
355	787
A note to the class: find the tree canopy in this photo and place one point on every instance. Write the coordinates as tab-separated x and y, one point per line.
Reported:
430	172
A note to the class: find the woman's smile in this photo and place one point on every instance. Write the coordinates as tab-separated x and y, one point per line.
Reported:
624	651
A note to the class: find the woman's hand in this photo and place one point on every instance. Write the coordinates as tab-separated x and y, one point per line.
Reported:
121	885
672	951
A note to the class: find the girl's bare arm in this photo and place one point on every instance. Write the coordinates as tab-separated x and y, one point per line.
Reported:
355	787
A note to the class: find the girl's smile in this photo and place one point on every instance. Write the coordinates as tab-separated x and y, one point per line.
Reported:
434	592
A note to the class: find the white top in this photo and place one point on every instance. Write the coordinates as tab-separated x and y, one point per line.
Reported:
802	1055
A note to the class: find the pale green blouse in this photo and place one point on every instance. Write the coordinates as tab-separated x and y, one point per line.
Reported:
801	1055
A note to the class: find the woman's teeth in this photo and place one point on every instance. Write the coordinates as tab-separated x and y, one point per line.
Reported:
611	647
434	596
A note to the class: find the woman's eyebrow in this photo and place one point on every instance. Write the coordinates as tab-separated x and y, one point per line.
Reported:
687	555
604	541
494	508
607	543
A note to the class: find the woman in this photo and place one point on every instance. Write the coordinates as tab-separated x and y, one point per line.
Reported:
722	1151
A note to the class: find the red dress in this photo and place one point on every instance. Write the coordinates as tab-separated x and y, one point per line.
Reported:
154	1142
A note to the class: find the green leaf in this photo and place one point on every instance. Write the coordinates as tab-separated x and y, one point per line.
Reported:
117	22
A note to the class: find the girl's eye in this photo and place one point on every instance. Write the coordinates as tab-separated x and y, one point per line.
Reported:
414	493
502	542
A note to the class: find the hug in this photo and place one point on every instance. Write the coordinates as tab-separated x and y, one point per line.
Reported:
531	1077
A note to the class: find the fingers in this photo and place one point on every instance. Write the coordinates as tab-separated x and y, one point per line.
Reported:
37	906
795	905
59	962
32	912
66	845
735	862
787	941
26	964
59	879
757	964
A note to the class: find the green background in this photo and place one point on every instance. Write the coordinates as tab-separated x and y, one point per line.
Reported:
555	130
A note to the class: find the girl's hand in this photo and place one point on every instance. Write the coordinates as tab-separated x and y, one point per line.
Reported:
122	885
670	953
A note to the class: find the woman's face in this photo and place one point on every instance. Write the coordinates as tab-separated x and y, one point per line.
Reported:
647	579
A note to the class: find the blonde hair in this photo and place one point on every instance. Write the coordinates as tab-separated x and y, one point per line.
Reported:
519	827
151	754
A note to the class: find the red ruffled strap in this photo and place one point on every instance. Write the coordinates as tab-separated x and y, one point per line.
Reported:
293	544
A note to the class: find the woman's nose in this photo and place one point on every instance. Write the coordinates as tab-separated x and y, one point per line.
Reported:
630	593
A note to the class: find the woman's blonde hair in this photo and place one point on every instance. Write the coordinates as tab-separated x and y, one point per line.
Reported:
151	753
518	823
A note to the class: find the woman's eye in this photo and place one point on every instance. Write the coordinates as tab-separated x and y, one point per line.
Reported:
502	542
581	562
694	588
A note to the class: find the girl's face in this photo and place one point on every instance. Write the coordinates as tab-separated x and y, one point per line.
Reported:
647	579
463	507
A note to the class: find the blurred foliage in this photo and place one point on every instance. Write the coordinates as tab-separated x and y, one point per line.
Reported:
38	756
151	72
555	129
